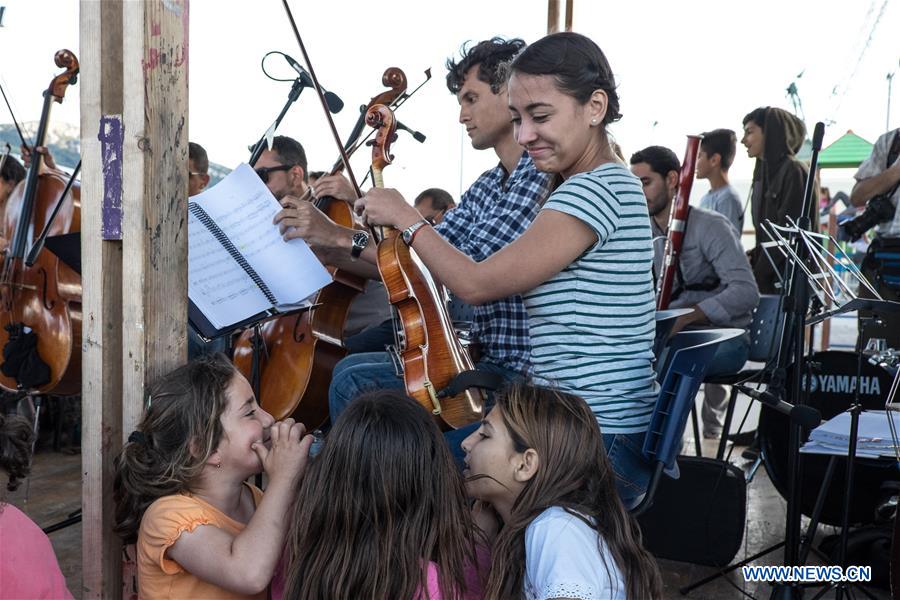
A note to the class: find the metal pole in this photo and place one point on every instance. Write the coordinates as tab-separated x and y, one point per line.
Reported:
890	80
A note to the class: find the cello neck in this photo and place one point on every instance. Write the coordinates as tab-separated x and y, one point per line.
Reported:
17	250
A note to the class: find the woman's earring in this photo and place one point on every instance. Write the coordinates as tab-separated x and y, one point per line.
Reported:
593	121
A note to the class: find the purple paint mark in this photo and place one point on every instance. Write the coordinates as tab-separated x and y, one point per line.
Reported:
112	138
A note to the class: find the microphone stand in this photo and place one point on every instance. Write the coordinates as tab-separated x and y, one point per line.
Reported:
293	95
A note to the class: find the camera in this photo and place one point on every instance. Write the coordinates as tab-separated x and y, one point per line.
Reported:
878	210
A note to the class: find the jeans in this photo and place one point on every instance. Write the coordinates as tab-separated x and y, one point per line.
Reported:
370	371
729	359
633	471
371	339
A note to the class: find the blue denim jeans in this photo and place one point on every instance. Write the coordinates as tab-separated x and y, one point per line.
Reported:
729	358
370	371
633	471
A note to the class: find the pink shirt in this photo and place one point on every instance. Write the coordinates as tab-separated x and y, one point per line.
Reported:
473	575
28	567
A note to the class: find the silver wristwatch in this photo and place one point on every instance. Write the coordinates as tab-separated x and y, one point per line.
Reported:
407	234
358	243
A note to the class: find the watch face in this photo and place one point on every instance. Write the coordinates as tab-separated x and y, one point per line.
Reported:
360	238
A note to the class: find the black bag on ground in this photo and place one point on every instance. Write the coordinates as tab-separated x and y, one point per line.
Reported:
698	518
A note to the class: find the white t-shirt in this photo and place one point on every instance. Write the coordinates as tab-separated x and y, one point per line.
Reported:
563	559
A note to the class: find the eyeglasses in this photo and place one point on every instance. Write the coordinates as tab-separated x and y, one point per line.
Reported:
263	172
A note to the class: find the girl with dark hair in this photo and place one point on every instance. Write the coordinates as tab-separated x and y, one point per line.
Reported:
584	265
538	460
180	490
382	511
28	567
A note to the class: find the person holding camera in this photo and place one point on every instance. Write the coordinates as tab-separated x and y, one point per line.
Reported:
878	189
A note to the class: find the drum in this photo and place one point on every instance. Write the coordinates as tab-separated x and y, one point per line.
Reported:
831	391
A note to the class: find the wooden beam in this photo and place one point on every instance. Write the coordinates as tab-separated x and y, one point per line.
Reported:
154	232
101	101
552	16
570	9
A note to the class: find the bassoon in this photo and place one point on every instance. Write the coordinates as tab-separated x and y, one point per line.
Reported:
677	223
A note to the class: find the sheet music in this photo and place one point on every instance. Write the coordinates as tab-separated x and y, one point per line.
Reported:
874	435
220	288
243	207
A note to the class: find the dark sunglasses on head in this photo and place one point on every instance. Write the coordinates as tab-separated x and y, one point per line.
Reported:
263	172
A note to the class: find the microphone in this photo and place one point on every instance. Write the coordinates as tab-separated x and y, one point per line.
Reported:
335	104
418	136
806	416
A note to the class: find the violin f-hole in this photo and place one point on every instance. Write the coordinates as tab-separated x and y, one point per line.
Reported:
44	278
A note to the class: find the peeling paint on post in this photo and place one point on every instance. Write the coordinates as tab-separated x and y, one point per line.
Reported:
112	137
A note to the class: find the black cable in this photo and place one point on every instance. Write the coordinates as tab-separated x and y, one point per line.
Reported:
262	65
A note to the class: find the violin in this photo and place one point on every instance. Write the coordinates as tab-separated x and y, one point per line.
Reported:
45	297
427	345
299	352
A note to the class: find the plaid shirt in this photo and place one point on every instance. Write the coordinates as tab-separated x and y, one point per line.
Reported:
493	212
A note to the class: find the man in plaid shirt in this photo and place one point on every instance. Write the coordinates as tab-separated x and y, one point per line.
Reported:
493	212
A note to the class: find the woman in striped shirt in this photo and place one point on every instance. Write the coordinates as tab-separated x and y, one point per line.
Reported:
584	265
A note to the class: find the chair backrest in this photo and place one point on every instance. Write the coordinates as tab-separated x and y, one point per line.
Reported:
665	320
688	356
764	328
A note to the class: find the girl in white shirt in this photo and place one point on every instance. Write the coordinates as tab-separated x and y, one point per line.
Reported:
538	460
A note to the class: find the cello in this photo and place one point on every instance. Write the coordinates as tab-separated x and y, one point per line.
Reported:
45	297
427	345
298	352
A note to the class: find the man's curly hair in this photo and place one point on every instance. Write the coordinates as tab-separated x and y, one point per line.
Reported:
490	56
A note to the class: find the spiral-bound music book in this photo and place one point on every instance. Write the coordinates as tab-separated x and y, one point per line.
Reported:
240	269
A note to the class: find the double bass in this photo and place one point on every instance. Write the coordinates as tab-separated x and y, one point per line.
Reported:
297	353
45	297
428	347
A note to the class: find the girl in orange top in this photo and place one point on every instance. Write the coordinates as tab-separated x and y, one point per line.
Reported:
180	490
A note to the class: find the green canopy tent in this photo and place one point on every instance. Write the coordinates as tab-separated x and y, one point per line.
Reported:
846	152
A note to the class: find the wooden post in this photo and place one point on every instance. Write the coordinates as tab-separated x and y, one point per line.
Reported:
553	15
154	227
101	101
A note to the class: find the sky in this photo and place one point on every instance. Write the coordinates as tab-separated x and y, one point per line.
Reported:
681	67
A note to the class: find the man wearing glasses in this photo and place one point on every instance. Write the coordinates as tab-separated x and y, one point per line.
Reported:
283	168
198	169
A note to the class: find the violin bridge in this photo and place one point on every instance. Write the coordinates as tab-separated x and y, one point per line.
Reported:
434	399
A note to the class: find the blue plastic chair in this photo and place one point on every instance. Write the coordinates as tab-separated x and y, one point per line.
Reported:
764	330
665	320
683	368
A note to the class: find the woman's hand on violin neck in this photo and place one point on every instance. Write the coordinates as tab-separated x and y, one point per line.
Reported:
335	186
386	206
299	219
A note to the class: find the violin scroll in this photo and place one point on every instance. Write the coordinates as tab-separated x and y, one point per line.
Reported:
381	118
64	59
